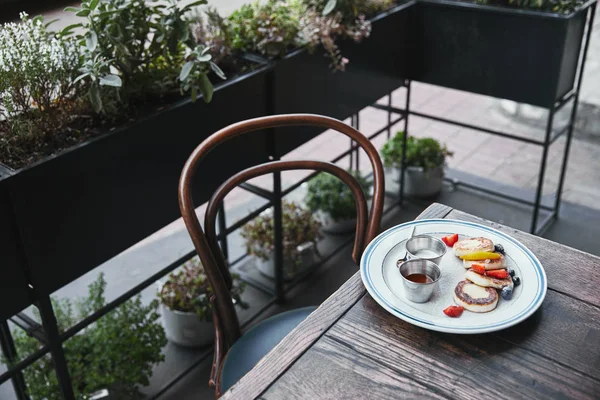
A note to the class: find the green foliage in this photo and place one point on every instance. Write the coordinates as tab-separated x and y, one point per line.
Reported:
426	153
269	28
330	195
37	88
188	290
149	46
117	352
299	226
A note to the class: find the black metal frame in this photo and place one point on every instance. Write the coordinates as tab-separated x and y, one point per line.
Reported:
52	340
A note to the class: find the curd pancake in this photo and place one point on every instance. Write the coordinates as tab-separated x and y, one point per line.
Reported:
498	263
472	245
475	298
488	281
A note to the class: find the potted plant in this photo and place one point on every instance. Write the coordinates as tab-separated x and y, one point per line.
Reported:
425	161
332	200
186	306
300	236
117	352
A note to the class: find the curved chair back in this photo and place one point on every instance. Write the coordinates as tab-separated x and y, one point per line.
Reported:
227	328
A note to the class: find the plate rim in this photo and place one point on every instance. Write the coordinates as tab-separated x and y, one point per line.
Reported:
536	262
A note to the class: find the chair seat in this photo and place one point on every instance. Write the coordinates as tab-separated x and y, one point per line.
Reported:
247	351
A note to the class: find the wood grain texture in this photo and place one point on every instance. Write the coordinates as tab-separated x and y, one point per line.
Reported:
569	271
435	210
297	342
330	368
459	366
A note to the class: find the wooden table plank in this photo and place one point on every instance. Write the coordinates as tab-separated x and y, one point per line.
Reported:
569	271
463	366
277	361
296	342
329	368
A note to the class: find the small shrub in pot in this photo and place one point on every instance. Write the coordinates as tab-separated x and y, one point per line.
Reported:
117	352
187	310
300	227
333	199
425	162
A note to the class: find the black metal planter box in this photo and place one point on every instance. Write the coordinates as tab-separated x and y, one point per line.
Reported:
85	205
304	83
520	55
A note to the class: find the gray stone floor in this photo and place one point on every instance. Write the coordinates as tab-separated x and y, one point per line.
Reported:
499	160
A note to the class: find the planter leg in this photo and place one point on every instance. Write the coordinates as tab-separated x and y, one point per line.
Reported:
8	348
389	116
405	136
540	186
58	356
278	232
573	116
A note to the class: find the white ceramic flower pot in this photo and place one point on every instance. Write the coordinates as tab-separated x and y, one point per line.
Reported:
331	226
186	329
417	183
290	269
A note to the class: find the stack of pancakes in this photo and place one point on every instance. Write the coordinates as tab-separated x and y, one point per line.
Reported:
478	292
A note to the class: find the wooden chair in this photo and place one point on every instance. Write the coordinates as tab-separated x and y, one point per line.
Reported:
234	354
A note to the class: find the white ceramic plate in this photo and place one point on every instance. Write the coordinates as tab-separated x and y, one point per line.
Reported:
383	282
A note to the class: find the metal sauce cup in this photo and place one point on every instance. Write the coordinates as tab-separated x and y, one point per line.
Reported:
419	292
426	247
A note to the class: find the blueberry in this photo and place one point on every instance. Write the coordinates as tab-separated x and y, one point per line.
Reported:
510	271
498	248
516	281
507	292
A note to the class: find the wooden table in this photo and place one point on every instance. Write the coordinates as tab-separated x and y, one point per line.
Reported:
350	347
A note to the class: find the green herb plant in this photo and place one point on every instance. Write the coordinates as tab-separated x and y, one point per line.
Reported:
116	352
426	153
328	194
187	290
140	48
38	91
299	226
269	28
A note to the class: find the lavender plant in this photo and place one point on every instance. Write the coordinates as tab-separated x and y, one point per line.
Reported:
38	89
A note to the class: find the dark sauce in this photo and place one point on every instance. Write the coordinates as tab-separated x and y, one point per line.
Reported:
419	278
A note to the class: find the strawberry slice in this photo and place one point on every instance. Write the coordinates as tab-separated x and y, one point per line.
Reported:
450	239
498	273
480	269
454	311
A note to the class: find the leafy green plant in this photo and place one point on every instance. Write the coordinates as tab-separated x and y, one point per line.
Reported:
330	195
188	290
117	352
269	28
299	227
426	153
38	91
149	47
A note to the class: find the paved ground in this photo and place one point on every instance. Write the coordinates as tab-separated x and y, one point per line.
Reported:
501	160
